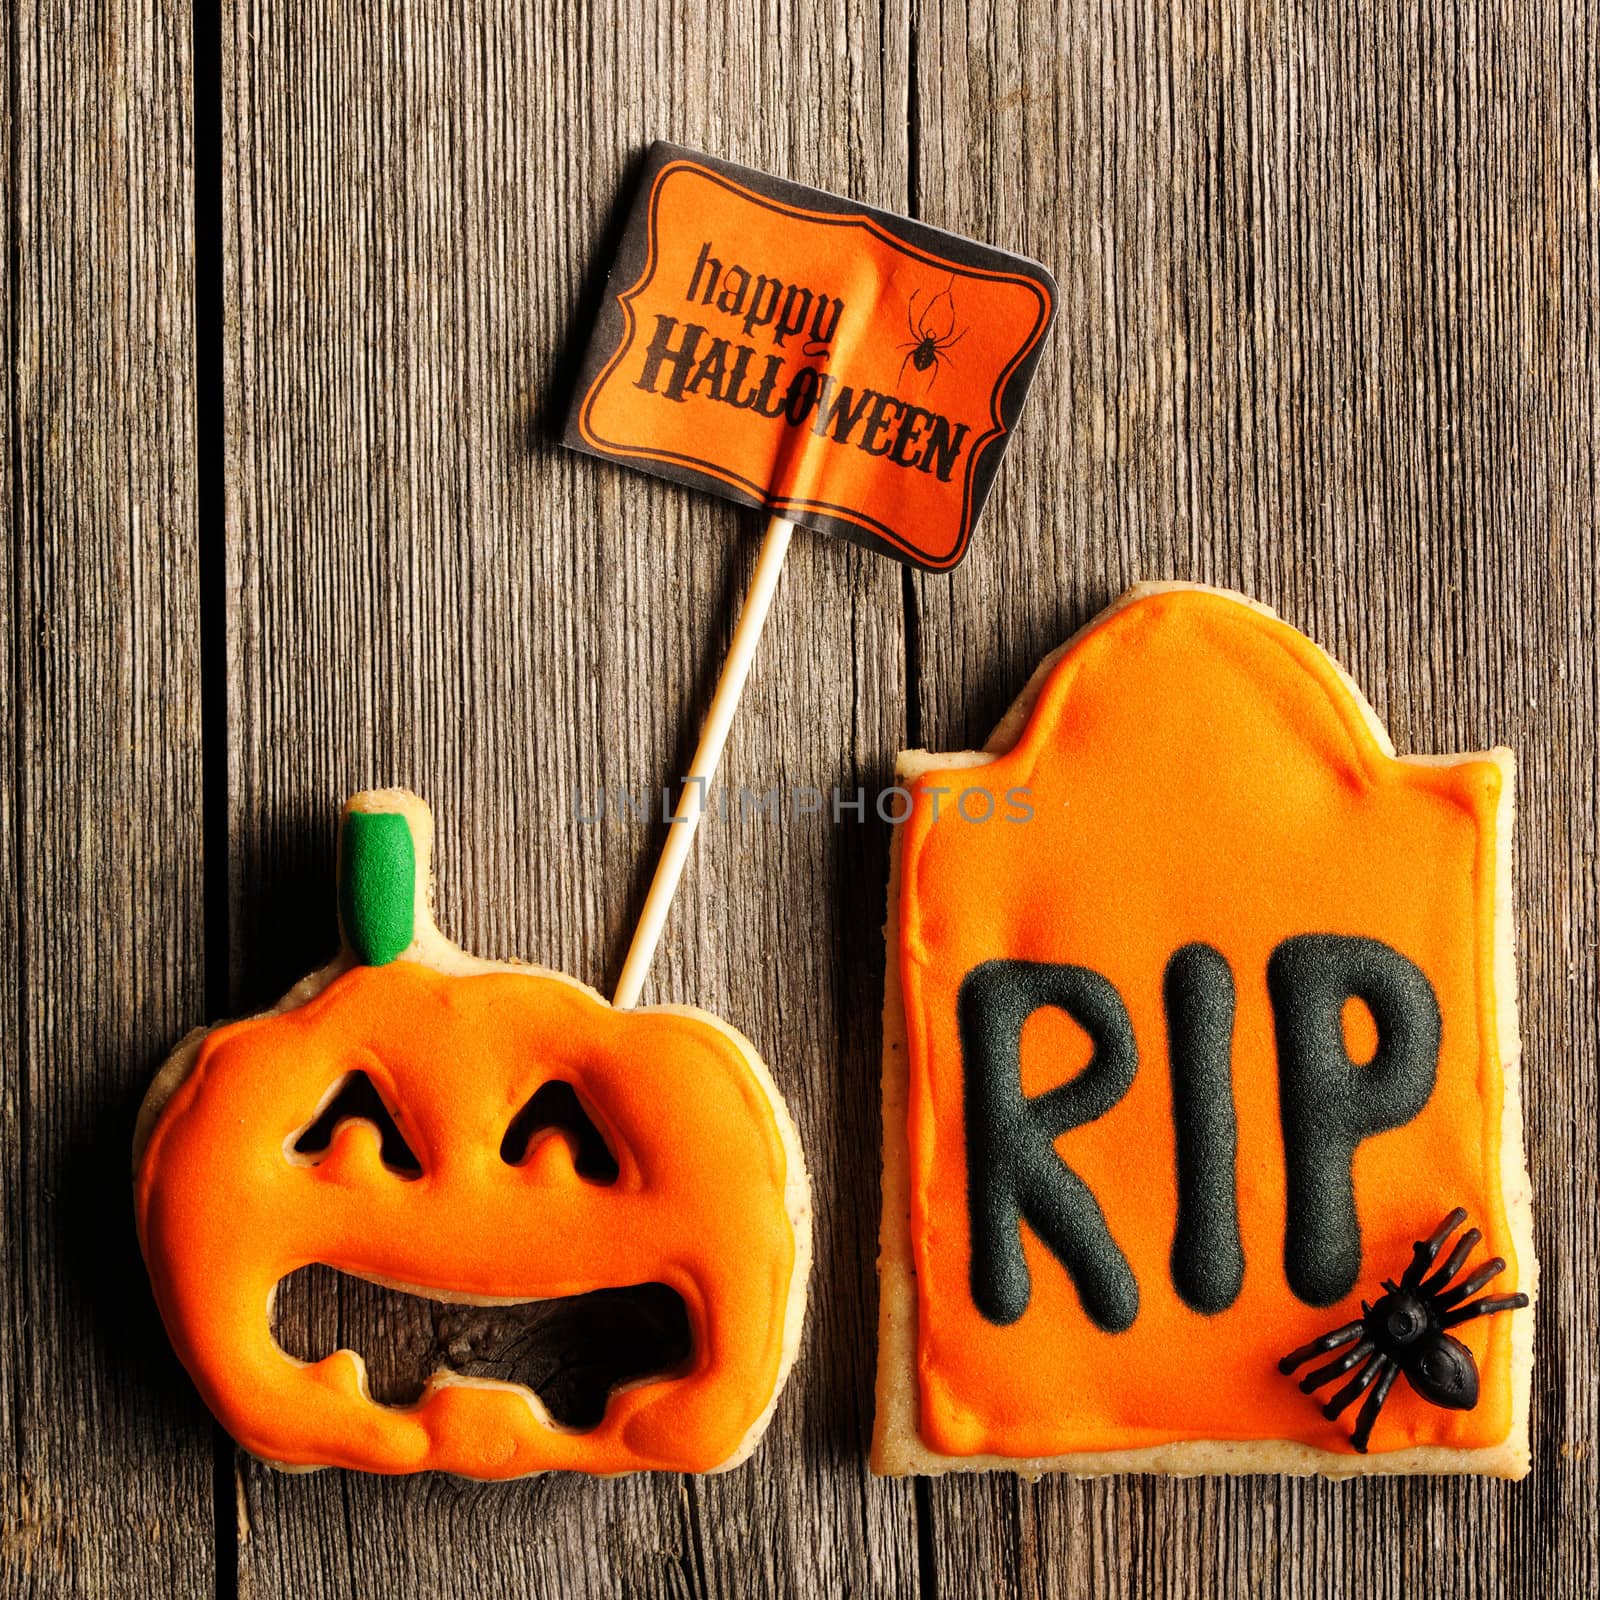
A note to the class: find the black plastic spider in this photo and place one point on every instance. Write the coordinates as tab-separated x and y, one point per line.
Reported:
928	346
1406	1332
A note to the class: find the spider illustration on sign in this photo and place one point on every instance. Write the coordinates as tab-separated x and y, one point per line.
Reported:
933	334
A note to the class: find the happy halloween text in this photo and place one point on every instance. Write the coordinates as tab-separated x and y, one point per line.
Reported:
687	358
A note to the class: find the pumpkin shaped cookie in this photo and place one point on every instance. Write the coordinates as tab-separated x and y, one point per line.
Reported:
479	1133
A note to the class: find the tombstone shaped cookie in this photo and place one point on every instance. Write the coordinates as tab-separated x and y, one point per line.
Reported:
481	1134
1200	1050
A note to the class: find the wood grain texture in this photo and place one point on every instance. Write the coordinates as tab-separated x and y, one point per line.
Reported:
105	1458
1329	335
424	590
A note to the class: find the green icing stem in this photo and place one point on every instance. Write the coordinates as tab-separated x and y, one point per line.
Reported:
377	885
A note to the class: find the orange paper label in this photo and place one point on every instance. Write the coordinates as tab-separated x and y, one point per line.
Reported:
852	370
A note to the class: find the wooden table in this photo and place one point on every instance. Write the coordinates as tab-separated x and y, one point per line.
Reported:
291	295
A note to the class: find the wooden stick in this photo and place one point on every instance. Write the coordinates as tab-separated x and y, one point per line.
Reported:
697	782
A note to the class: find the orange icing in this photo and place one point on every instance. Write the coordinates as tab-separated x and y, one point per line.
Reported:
1198	771
699	1205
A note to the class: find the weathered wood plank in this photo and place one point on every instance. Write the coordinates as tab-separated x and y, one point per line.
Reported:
1329	335
425	590
12	1235
105	1455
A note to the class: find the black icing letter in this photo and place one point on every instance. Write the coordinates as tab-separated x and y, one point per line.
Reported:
1207	1257
1014	1174
1330	1104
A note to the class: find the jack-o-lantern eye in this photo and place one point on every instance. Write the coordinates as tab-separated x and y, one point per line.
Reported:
356	1099
556	1109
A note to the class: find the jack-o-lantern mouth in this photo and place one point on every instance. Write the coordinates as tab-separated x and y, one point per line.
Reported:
573	1353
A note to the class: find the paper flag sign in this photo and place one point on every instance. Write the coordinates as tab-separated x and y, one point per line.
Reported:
846	369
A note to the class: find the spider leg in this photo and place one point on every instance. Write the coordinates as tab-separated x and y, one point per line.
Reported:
911	327
1356	1387
1348	1334
1369	1412
950	344
1485	1307
1465	1245
1426	1251
1470	1285
949	300
901	378
1336	1368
